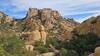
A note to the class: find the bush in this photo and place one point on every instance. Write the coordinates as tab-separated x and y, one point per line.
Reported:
13	46
66	52
53	41
83	44
41	48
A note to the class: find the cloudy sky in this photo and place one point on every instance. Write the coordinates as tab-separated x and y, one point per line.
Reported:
77	9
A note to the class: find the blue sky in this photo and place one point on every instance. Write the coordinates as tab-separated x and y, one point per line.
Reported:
77	9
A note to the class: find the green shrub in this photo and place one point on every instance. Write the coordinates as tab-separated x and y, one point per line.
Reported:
66	52
41	48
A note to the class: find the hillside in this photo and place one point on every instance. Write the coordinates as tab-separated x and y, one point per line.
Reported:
91	25
44	32
50	21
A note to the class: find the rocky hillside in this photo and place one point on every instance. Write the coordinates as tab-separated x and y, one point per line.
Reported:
38	25
46	19
91	25
5	18
47	33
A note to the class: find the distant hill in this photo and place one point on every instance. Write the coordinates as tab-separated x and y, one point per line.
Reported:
91	25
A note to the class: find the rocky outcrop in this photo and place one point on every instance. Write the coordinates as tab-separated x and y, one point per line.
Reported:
37	25
33	12
91	54
1	16
96	52
47	54
43	34
5	18
67	35
90	25
50	19
37	35
68	26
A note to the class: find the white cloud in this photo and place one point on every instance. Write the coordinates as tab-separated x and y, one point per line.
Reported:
83	12
23	4
65	7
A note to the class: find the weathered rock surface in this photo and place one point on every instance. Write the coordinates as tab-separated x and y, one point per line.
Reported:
90	25
91	54
5	18
96	52
33	12
47	54
50	19
38	24
36	35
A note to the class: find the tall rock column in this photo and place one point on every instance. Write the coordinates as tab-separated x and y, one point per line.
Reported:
43	34
46	17
29	43
32	13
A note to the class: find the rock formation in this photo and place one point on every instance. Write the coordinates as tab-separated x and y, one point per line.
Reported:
91	54
48	54
43	34
50	19
29	42
90	25
37	24
5	18
96	52
32	13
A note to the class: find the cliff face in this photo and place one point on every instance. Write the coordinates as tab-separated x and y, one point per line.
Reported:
46	17
49	18
92	25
